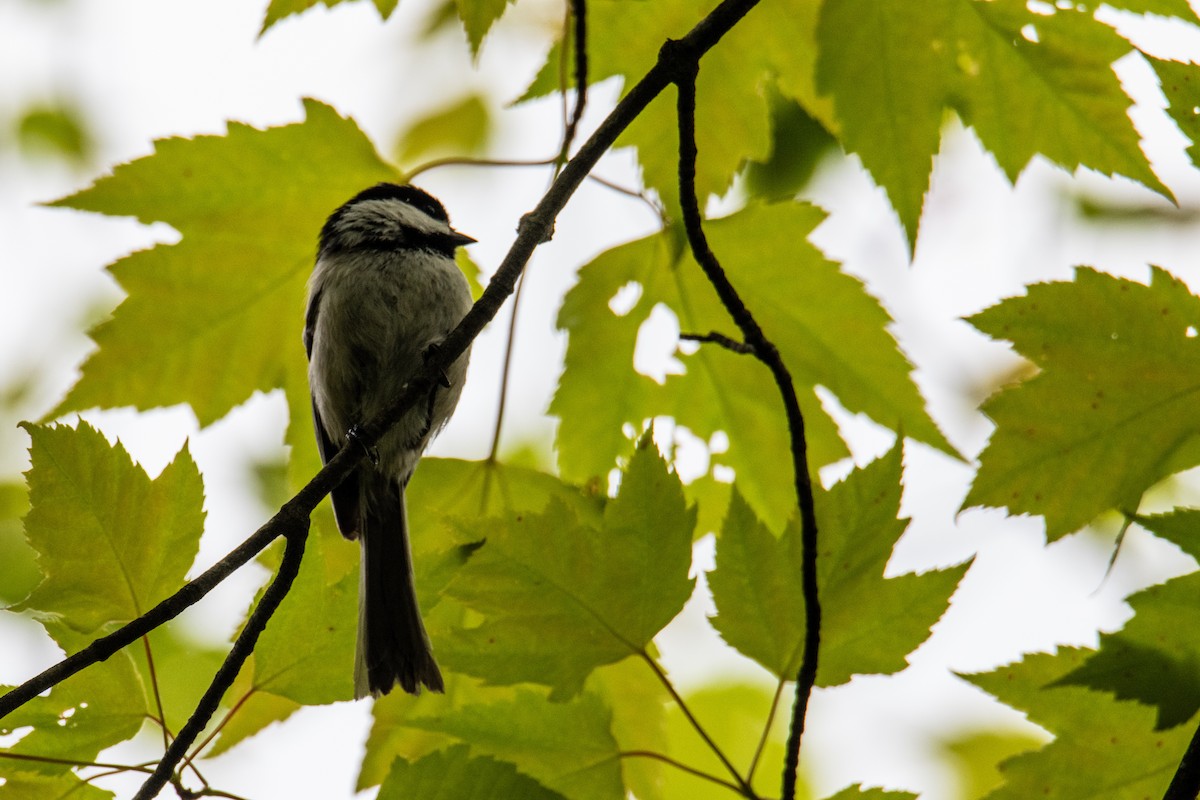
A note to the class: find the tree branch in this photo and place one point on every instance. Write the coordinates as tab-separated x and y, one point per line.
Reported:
766	352
289	568
1186	783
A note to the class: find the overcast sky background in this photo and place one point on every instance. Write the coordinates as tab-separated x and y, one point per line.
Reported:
146	69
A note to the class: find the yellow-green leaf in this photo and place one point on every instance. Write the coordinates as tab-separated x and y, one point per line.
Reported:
1112	411
111	542
561	595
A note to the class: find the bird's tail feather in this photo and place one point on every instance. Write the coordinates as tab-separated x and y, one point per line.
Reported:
392	644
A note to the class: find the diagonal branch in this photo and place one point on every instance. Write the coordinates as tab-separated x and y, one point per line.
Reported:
766	352
289	568
1185	785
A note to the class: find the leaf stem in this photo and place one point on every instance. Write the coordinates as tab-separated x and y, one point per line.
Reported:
74	763
680	766
506	370
219	727
766	734
742	785
162	717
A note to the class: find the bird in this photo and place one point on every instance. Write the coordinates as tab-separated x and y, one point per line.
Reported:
384	292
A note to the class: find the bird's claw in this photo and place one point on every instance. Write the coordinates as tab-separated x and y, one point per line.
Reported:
431	353
355	435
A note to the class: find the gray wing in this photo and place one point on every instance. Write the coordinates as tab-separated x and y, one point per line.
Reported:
345	496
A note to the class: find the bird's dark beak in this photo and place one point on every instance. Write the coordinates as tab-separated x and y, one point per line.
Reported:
460	239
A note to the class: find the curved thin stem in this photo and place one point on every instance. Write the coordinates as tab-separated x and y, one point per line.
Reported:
766	733
162	716
198	749
680	766
463	161
576	10
742	785
506	371
71	762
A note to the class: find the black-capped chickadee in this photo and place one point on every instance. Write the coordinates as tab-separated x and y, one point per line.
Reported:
385	290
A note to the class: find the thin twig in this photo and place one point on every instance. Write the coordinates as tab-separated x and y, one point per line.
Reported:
733	345
680	766
766	352
162	715
742	784
576	9
73	762
289	567
510	344
766	733
464	161
198	749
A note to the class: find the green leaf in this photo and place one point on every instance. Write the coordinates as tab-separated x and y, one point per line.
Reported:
454	774
1155	658
975	757
18	566
452	489
1103	749
1181	526
478	17
1111	412
869	623
1163	8
111	542
1060	97
757	590
461	128
59	131
392	733
282	9
856	792
452	503
561	595
1181	84
85	714
567	747
639	705
249	206
829	330
798	143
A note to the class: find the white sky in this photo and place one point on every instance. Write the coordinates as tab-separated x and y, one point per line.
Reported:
145	69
